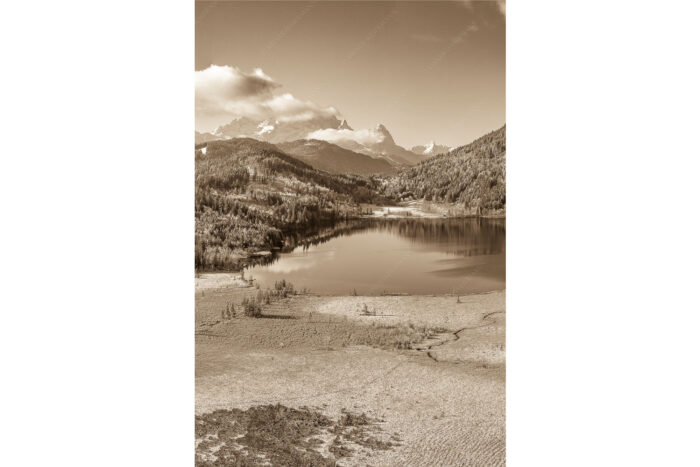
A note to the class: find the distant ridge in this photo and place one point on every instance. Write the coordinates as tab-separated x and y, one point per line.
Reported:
335	159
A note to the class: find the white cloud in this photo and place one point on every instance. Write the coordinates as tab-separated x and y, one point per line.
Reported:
365	137
287	108
217	85
224	92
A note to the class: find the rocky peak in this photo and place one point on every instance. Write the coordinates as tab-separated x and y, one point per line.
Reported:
344	126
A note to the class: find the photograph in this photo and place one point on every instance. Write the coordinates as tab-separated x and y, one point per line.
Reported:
320	275
350	233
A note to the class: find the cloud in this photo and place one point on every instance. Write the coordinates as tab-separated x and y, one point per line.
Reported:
224	92
219	84
287	108
366	137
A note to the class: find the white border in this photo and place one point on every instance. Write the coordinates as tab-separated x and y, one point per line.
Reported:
97	349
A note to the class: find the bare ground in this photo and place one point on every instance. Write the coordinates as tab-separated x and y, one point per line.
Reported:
444	399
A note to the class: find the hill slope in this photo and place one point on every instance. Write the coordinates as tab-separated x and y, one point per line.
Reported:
334	159
248	193
471	175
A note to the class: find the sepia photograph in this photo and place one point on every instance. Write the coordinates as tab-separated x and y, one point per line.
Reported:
276	233
350	227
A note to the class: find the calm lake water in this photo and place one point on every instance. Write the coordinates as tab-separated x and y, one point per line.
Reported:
375	256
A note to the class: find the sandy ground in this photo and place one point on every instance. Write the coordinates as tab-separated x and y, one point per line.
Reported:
445	400
207	281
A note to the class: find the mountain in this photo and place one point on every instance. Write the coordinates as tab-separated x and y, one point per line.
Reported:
431	149
249	193
335	159
275	131
204	137
473	175
376	142
388	148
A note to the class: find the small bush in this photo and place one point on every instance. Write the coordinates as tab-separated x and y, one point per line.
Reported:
251	308
229	312
366	311
350	419
283	289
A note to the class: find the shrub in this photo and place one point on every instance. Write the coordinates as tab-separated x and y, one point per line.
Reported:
366	311
229	312
251	308
284	288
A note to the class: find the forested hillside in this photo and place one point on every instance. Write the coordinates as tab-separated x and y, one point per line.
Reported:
473	176
334	159
248	193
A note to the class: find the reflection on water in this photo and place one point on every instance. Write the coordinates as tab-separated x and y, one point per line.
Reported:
374	256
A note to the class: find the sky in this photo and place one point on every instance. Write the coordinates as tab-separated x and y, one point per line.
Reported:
425	70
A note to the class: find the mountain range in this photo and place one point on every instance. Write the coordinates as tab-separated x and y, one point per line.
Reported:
366	151
275	131
375	142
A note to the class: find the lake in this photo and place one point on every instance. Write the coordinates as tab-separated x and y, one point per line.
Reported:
375	256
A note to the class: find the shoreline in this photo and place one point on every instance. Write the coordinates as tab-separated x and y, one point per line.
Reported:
245	259
221	280
423	209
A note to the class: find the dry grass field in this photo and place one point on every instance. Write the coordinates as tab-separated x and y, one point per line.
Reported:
428	373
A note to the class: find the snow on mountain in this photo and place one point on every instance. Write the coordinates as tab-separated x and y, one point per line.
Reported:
277	131
265	128
431	149
375	142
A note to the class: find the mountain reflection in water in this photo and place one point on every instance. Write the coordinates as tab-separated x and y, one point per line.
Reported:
374	256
